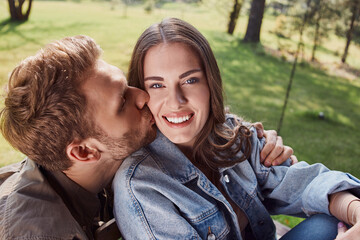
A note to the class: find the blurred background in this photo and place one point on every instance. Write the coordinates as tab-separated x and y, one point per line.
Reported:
292	64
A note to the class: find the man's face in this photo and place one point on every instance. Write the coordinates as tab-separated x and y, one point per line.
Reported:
120	111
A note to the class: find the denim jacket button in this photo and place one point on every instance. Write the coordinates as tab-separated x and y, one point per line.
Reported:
211	236
226	179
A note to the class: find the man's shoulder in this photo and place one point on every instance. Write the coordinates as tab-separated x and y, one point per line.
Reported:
16	176
30	208
22	179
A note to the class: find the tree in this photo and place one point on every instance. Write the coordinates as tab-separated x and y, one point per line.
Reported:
279	7
255	21
16	10
234	15
322	15
354	6
319	14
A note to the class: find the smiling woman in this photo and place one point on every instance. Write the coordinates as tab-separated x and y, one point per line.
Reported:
202	176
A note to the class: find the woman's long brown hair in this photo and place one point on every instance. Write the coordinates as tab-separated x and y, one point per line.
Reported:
216	143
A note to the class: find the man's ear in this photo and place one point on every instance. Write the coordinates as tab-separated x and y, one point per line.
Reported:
82	151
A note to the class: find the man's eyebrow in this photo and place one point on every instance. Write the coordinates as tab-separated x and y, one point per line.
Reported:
185	74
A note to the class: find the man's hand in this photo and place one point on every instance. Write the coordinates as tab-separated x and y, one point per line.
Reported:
274	152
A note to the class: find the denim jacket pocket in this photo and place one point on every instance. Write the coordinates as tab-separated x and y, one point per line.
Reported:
211	223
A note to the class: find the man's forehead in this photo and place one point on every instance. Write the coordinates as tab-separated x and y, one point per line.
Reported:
108	73
104	66
104	81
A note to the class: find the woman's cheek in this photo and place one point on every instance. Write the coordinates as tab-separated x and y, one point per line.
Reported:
152	103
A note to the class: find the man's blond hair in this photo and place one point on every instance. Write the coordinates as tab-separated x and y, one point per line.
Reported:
44	107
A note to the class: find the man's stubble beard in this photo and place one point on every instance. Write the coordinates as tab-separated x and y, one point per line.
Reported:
131	141
122	147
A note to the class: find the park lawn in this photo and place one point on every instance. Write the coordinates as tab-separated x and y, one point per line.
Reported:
254	81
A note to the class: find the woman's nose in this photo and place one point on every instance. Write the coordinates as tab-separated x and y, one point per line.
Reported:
176	97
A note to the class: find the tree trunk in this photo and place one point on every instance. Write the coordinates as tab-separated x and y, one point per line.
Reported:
234	15
255	21
316	37
15	8
355	12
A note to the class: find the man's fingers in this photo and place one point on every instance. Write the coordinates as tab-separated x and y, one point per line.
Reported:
270	144
287	153
259	129
277	151
294	159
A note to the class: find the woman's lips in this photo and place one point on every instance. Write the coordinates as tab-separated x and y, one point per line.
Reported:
178	120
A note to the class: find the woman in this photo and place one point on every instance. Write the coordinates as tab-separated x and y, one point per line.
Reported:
201	177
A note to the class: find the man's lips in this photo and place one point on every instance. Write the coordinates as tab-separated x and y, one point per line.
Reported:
152	120
149	115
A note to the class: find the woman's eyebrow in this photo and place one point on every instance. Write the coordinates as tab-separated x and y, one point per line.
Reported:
185	74
156	78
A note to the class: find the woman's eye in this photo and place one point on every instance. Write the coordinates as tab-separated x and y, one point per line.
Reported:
156	85
191	80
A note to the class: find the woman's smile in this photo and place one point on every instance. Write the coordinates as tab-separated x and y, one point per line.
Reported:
176	120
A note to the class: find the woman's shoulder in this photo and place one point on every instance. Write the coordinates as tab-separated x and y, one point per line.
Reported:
141	159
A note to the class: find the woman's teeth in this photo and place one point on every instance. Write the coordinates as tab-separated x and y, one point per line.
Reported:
178	120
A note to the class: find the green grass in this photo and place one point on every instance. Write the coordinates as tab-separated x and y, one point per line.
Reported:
254	82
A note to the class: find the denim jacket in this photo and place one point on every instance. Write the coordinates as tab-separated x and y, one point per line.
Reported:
160	194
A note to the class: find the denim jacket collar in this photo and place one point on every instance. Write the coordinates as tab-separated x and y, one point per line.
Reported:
181	169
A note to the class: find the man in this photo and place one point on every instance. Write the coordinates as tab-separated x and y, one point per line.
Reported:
76	119
74	115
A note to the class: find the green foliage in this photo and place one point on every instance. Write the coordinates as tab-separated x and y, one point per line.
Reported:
342	26
149	6
281	29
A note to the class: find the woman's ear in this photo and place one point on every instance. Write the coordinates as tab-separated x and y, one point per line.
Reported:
81	151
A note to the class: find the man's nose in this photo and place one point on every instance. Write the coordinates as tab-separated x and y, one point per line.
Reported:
140	96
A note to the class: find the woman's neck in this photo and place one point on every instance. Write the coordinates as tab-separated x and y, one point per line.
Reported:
205	169
187	151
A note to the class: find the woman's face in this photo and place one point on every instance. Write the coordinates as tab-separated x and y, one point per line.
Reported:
178	89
